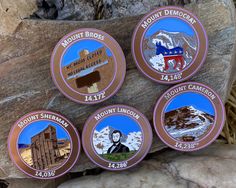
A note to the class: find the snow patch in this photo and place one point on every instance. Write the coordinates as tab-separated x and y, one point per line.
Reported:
158	62
197	118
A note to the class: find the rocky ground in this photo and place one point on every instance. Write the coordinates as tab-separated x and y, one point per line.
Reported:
211	167
22	92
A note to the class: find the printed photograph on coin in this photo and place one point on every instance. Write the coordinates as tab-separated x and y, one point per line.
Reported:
169	45
84	66
117	137
114	141
44	144
88	66
189	116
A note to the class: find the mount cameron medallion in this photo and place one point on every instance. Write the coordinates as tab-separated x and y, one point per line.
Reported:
189	116
169	45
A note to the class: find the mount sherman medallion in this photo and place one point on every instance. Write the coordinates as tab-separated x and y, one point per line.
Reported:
189	116
88	66
169	45
117	137
44	144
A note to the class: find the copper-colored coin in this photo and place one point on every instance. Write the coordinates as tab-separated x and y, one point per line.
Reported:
169	45
117	137
88	66
44	144
189	116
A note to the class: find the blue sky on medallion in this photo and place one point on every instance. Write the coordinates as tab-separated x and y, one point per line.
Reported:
72	53
170	25
196	100
38	126
122	123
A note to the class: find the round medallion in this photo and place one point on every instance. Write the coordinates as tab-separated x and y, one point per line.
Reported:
189	116
117	137
88	66
44	144
169	45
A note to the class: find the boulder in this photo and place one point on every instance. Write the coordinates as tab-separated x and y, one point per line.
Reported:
26	83
97	9
13	12
65	9
33	183
210	167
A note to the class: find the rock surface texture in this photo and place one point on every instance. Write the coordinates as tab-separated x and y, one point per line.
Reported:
26	83
97	9
12	12
211	167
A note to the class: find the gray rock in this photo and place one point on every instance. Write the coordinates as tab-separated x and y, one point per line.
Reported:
76	10
65	9
31	183
122	8
211	167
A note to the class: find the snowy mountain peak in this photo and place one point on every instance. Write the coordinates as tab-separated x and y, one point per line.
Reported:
106	129
165	33
191	108
188	123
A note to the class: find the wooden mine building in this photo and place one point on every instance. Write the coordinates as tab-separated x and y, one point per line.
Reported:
44	149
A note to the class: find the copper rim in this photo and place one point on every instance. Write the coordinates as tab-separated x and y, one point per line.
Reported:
101	95
56	171
208	138
91	123
167	78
